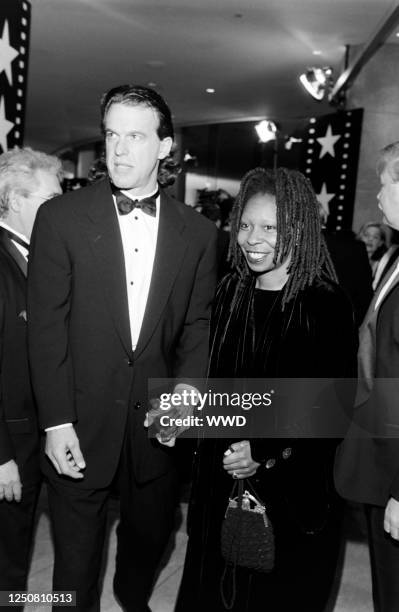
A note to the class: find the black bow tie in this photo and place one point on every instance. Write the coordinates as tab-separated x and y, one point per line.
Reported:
125	204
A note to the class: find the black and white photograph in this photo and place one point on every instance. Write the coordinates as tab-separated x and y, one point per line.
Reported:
199	305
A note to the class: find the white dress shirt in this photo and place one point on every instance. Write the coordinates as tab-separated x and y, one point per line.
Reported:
139	232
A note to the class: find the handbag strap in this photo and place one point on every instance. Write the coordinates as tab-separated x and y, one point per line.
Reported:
252	489
238	487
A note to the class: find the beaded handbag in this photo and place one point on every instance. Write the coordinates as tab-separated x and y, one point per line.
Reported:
247	538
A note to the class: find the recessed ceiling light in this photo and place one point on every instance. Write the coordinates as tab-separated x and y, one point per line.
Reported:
316	52
151	84
155	63
210	90
397	34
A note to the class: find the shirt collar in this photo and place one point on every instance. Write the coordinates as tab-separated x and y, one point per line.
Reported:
14	231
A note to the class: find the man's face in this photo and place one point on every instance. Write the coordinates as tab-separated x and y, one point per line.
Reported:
133	148
44	187
388	199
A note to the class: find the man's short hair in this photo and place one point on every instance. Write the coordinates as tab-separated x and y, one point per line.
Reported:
17	172
138	95
389	160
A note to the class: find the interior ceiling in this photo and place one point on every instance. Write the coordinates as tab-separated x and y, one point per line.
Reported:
250	51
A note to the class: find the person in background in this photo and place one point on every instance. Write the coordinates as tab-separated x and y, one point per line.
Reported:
367	464
351	264
373	236
278	314
120	287
27	179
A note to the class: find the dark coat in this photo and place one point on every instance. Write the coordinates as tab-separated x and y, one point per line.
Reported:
314	336
367	464
84	370
19	434
351	263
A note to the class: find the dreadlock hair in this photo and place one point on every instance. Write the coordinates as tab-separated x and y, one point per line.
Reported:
298	227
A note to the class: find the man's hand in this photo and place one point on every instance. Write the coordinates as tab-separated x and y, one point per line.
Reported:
391	518
238	462
63	450
10	483
184	400
165	435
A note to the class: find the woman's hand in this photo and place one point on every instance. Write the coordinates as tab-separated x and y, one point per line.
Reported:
238	462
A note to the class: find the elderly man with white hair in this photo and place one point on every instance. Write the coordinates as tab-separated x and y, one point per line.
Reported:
27	179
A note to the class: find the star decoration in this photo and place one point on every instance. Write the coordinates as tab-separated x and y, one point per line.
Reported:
327	143
7	53
5	126
324	198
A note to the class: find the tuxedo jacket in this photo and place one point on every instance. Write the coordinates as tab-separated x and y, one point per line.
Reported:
83	367
19	434
367	463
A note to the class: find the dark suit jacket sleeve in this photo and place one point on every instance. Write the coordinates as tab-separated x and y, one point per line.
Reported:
6	446
49	288
387	365
193	347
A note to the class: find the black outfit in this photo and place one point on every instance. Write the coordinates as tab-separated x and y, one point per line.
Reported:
313	337
85	372
367	463
19	434
351	263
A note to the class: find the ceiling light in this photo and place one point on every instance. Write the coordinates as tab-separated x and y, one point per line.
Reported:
316	52
210	90
317	81
397	34
266	130
156	63
290	141
188	157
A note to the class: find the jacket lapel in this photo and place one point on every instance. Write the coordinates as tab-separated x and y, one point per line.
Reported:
367	341
169	255
106	243
12	250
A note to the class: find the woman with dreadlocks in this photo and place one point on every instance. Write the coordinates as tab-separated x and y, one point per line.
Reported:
280	314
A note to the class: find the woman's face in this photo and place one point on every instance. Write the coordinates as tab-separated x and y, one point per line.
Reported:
258	234
371	237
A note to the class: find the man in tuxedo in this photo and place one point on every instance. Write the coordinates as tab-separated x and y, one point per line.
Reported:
367	464
27	179
120	286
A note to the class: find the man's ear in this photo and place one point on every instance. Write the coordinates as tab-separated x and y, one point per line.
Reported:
165	147
15	201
